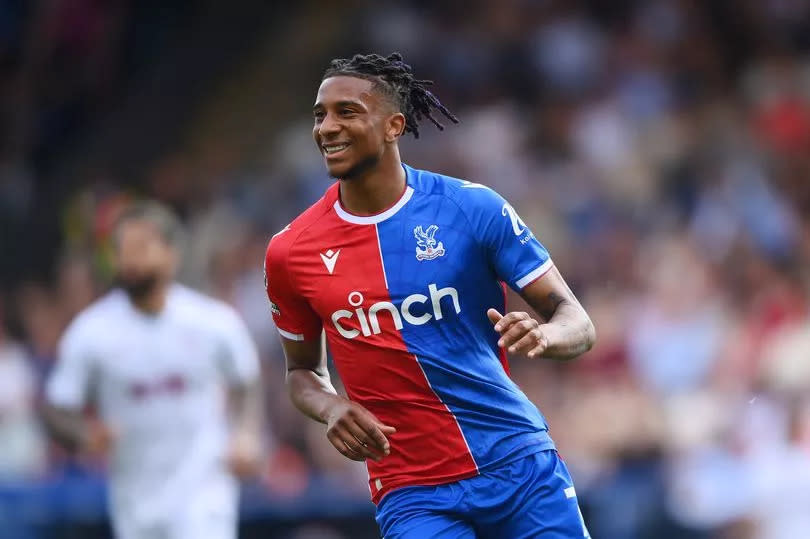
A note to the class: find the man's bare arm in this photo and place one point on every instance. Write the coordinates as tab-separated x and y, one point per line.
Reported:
67	427
352	430
72	430
308	382
247	411
567	331
247	406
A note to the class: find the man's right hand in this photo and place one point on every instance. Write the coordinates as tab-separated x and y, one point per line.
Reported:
97	439
356	433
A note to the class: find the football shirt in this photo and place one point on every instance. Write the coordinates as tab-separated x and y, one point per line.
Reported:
402	297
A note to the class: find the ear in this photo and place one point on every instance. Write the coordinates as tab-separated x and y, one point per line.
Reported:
394	127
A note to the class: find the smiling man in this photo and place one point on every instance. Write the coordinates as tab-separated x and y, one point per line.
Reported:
404	271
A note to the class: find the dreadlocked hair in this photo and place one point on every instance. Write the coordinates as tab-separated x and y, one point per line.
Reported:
395	79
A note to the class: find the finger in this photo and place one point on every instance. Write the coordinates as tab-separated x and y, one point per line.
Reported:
538	350
368	446
354	452
525	343
376	429
367	429
534	346
376	432
363	450
356	440
379	433
509	320
516	332
358	431
338	444
354	447
343	448
493	315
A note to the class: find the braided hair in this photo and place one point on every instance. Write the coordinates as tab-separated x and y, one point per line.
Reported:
394	78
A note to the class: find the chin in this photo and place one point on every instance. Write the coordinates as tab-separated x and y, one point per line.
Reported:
351	169
338	171
344	170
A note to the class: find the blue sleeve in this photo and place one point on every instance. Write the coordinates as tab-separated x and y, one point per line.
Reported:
512	249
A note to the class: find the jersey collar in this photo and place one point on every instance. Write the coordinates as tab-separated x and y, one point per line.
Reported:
379	217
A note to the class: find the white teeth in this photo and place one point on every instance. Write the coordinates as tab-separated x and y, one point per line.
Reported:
333	149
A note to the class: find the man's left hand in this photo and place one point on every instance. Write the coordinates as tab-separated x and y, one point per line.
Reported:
520	333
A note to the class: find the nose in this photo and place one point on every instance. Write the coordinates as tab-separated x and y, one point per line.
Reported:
328	126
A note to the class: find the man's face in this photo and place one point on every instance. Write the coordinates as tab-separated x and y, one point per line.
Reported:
143	258
350	125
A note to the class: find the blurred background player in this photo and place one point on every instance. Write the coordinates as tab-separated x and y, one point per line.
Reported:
160	362
404	270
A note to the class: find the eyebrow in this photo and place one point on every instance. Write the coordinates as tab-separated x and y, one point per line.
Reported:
342	103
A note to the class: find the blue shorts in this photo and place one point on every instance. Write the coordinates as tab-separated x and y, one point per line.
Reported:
529	497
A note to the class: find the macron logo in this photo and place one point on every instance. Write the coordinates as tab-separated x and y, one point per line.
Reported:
329	259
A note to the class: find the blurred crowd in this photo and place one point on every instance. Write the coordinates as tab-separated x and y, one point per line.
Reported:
660	150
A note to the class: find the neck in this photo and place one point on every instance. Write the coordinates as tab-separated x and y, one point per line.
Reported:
376	189
153	302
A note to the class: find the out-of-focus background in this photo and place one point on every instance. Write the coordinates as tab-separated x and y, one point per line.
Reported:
660	149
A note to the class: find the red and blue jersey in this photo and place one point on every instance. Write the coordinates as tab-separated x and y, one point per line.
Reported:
402	297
